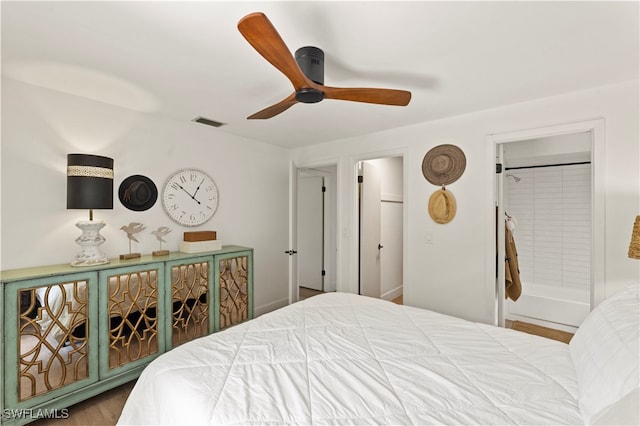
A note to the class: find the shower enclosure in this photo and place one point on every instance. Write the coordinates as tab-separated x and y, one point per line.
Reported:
547	190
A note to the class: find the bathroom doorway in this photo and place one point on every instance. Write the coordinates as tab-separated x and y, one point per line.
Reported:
547	194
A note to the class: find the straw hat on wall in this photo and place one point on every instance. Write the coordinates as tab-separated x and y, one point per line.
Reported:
443	164
442	206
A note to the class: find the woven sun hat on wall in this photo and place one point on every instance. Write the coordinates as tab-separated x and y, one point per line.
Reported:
443	164
442	206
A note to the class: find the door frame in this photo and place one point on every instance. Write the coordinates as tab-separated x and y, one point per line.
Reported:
494	281
294	168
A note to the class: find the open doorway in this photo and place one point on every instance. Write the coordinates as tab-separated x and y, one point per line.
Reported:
549	205
316	231
380	228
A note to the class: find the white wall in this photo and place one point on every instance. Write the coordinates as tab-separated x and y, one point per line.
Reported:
40	127
451	274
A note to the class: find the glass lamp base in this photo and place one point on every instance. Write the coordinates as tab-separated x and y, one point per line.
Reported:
90	241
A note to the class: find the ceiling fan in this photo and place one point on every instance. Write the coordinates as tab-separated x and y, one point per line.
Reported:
305	71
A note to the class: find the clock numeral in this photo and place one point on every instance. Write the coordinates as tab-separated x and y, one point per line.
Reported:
183	179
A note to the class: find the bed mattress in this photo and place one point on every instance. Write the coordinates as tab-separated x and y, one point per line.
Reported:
340	358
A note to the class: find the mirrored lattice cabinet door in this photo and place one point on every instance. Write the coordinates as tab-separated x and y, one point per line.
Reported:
131	316
234	274
190	283
54	342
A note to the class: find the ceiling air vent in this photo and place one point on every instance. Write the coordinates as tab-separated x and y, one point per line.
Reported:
208	122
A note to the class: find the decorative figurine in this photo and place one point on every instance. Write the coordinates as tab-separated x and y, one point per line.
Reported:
132	229
159	233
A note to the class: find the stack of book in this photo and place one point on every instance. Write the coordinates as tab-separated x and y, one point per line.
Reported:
199	242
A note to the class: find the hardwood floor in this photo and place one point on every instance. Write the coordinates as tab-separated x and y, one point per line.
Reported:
305	293
538	330
105	409
101	410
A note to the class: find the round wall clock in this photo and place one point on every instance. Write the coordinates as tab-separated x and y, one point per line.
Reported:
190	197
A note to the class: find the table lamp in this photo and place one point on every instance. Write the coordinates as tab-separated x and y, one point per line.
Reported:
89	186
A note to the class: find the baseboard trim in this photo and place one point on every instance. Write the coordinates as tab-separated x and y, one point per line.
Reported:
270	307
392	294
541	323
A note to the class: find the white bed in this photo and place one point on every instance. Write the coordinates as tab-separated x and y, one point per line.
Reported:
345	359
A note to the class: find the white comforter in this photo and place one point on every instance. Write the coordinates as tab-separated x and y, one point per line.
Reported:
345	359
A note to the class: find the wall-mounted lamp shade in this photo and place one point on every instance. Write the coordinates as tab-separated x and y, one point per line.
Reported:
89	182
634	246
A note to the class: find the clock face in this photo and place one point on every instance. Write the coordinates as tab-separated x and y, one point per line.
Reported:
190	197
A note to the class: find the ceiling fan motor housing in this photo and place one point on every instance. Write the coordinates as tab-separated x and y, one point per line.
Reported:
311	61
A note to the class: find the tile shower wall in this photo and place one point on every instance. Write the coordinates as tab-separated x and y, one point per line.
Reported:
552	207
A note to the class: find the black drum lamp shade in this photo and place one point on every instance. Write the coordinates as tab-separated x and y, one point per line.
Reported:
89	186
89	182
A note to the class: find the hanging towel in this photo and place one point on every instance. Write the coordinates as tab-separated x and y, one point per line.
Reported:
513	286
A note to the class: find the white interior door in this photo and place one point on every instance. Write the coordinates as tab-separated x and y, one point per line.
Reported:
310	232
370	230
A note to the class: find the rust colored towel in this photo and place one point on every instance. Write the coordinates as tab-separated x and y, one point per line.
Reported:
513	286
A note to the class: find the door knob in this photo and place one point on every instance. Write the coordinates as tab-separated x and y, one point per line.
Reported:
290	252
380	246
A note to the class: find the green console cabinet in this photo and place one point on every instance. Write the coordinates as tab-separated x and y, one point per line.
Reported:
69	333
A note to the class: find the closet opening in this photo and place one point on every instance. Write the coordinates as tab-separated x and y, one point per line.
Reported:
380	216
315	242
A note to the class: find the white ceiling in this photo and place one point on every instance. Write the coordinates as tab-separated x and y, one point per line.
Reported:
181	60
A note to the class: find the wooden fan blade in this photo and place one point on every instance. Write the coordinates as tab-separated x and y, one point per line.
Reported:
275	109
262	35
368	95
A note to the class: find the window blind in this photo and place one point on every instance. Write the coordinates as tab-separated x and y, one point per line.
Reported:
552	206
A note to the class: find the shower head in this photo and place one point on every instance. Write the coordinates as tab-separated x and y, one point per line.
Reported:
515	178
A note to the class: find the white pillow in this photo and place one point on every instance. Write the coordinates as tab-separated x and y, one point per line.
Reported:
624	412
606	352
